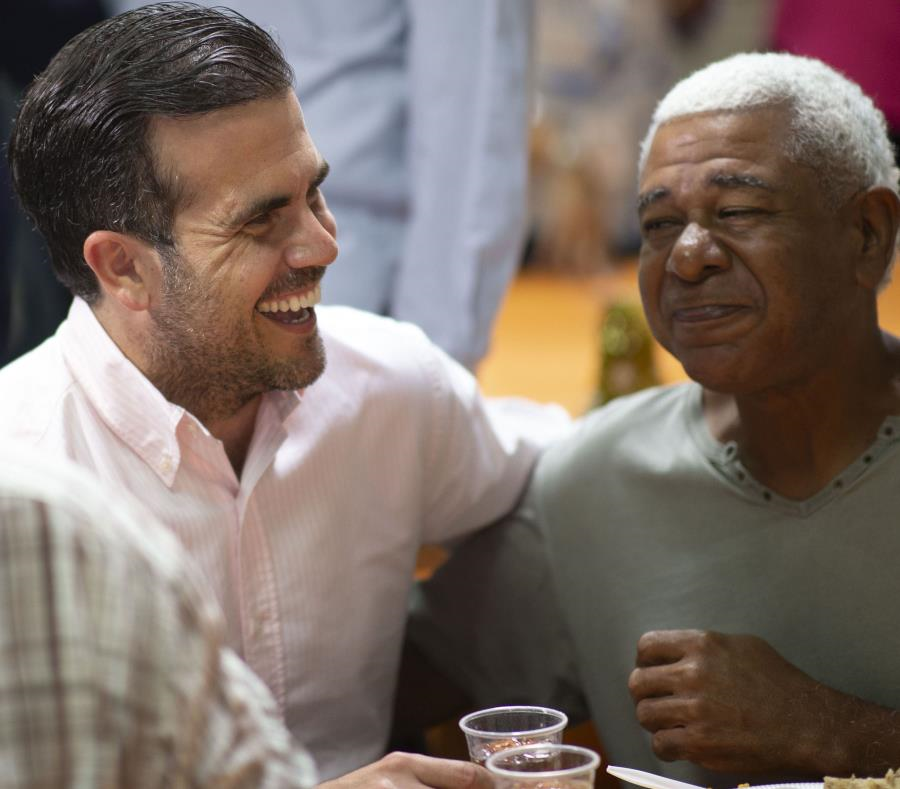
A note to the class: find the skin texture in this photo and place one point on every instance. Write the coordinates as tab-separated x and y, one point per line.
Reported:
251	225
768	298
231	255
767	295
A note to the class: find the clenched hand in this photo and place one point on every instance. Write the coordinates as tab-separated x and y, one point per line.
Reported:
732	703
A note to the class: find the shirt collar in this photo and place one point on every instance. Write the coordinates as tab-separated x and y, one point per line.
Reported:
133	408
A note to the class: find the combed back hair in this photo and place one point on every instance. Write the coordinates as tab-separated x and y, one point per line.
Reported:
80	152
835	128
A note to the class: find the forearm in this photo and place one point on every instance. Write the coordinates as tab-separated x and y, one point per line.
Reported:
853	737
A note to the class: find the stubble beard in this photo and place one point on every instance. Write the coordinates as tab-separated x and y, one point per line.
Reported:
203	357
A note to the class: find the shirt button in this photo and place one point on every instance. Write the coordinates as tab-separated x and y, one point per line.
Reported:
166	465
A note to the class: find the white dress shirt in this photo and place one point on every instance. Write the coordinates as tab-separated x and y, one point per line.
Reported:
113	672
311	552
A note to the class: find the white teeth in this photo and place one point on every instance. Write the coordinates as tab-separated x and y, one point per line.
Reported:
294	303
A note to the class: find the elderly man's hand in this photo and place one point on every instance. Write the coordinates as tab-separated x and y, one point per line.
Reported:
732	703
412	771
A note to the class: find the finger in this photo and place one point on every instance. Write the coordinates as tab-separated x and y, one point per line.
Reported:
448	773
671	744
657	647
652	681
665	713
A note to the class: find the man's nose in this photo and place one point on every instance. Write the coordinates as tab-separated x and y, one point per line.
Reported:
313	243
697	254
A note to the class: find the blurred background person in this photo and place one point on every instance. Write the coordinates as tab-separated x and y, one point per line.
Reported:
864	44
421	108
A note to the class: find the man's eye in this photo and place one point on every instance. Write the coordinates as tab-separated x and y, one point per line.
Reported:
652	226
741	212
259	220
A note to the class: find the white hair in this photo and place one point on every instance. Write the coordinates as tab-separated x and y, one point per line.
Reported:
835	127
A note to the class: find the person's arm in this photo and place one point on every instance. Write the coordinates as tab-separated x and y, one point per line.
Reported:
468	65
731	703
490	622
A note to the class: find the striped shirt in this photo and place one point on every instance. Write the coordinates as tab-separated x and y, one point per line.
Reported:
112	671
311	551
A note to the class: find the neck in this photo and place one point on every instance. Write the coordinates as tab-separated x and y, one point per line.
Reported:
229	415
795	439
236	431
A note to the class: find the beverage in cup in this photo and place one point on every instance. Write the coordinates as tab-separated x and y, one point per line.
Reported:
495	729
544	766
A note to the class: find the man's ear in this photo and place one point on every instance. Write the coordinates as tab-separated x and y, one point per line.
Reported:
878	217
126	267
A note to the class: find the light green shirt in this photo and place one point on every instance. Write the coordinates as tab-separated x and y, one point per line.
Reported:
650	523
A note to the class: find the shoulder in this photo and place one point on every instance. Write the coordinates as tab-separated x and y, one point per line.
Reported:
382	354
614	438
386	341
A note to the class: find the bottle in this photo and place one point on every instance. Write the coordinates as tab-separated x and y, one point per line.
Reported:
626	352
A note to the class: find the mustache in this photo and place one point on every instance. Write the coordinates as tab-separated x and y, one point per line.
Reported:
295	279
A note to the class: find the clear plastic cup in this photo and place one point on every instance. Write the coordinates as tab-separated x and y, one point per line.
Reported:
498	728
544	766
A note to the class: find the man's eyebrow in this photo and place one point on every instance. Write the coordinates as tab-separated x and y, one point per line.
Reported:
647	198
256	208
321	175
274	202
739	181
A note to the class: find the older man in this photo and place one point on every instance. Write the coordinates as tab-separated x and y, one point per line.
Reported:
723	550
164	156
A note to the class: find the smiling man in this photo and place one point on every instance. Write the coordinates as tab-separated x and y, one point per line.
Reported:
164	156
723	550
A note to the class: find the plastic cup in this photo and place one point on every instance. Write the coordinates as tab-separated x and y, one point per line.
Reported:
544	766
498	728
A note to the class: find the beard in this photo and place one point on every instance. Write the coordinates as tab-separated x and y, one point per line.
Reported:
209	358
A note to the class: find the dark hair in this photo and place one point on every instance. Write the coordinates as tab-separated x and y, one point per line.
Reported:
80	152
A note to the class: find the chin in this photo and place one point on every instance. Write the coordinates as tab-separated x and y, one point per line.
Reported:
716	375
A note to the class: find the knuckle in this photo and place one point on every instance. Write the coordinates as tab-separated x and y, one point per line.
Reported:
396	760
471	776
644	712
665	747
634	682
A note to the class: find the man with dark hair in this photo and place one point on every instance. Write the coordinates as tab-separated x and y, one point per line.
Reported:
164	156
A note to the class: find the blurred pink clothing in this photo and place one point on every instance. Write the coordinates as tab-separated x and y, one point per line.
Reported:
861	39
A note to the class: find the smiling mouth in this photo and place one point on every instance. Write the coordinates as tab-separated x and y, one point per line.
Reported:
291	309
707	312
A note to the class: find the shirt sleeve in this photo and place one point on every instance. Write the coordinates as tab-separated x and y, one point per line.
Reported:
468	64
112	670
489	620
480	451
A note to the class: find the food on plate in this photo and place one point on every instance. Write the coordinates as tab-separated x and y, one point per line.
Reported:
890	781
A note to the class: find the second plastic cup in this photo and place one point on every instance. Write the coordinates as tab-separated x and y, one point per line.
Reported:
499	728
544	766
